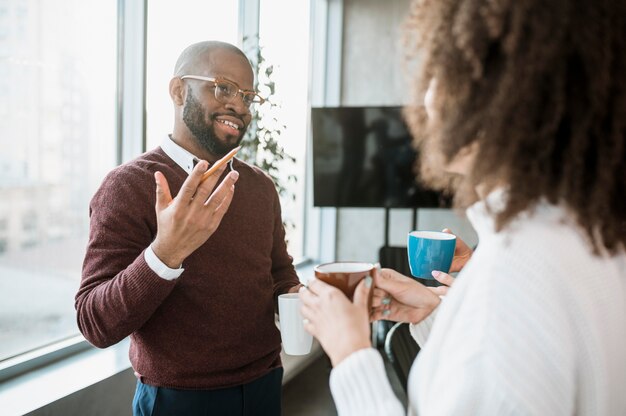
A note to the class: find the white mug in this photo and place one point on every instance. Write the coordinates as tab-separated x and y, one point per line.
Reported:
296	341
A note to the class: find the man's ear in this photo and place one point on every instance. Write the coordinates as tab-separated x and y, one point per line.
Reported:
177	91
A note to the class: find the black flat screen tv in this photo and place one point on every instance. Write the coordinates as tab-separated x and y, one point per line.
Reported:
363	157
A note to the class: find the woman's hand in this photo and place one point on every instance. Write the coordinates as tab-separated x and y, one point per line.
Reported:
342	327
400	298
462	254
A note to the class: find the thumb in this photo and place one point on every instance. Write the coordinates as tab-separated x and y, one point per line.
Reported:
362	292
163	195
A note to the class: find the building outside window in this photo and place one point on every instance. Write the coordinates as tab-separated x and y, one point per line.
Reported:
57	140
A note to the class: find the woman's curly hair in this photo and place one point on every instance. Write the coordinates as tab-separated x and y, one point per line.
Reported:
540	88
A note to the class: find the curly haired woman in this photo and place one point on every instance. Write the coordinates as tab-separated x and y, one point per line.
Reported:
520	107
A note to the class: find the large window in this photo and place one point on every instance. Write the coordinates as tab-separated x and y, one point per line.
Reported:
57	140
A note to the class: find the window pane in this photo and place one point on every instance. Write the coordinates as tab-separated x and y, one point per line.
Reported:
285	45
57	140
172	26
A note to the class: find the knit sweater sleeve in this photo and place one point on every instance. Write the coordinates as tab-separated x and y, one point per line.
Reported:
118	291
360	387
283	271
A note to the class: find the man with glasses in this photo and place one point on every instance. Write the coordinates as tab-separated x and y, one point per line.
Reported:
190	272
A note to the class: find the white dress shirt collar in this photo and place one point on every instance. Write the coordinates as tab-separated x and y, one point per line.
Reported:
182	157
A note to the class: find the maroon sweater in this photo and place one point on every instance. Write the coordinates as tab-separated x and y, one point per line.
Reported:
212	327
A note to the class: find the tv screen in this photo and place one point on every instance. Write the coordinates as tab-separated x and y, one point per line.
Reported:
363	157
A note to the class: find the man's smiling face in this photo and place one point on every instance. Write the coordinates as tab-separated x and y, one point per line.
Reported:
218	127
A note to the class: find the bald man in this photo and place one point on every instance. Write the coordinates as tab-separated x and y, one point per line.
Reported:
191	269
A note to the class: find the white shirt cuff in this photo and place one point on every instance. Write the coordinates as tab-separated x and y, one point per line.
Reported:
159	267
421	330
360	387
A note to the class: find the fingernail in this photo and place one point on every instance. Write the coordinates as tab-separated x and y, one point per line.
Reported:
235	175
435	273
386	301
386	312
368	281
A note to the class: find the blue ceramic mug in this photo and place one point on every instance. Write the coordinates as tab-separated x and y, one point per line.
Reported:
428	251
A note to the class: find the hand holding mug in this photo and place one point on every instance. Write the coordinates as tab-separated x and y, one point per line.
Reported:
462	254
342	327
428	251
400	298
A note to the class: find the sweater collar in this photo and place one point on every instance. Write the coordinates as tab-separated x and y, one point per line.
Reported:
482	213
182	157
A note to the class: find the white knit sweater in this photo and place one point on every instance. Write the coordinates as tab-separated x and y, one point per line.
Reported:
534	325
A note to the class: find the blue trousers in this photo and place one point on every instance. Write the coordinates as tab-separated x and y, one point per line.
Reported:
260	397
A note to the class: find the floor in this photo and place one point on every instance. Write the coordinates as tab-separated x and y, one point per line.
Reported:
308	393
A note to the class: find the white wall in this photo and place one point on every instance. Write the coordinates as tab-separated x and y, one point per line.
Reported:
372	74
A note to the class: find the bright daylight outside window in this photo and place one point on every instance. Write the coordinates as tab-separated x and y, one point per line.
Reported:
285	44
57	140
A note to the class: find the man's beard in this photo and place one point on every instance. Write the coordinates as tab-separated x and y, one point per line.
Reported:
193	117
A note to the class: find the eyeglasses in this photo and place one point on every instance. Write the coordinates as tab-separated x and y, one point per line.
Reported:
226	91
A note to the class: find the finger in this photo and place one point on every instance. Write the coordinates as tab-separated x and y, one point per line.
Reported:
307	311
224	204
310	284
319	287
218	214
379	293
388	279
380	314
308	319
222	192
163	195
207	187
381	298
442	277
310	328
306	296
440	290
380	301
188	189
362	291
